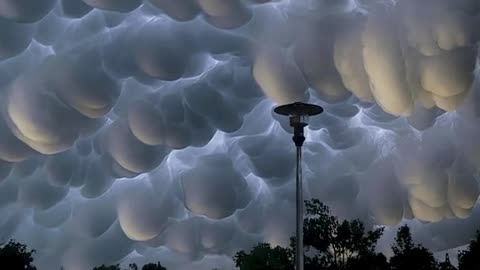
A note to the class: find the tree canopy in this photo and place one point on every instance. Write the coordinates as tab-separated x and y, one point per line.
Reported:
336	244
152	266
330	244
110	267
469	259
264	257
149	266
409	256
14	255
446	264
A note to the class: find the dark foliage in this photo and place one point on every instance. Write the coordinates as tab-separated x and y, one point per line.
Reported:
16	256
330	244
469	259
446	265
264	257
369	262
152	266
110	267
337	245
408	256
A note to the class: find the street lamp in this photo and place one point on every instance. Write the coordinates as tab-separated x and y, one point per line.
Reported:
298	113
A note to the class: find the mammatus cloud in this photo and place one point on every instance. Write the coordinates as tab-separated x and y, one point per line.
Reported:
137	131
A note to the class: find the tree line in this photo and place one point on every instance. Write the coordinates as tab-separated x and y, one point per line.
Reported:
330	244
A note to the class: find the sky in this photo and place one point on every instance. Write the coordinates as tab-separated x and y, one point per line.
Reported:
143	131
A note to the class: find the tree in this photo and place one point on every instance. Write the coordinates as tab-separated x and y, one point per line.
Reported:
446	265
337	245
331	245
408	256
15	256
264	257
104	267
152	266
369	262
469	259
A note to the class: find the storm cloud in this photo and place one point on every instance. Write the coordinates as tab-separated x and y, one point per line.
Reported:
137	131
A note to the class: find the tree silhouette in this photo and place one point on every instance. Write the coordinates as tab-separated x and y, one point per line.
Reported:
16	256
152	266
335	244
369	262
330	244
104	267
264	257
408	256
446	265
469	259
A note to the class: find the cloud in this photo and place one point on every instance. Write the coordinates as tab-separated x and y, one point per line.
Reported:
119	6
184	11
24	11
278	77
137	131
17	38
198	187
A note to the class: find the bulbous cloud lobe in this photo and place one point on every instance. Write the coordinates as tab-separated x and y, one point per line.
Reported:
199	186
25	11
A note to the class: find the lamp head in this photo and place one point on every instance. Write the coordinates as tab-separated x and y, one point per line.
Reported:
299	108
298	113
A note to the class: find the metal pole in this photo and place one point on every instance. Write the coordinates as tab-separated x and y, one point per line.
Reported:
298	113
299	236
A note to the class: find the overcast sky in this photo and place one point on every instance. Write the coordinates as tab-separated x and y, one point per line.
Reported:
143	131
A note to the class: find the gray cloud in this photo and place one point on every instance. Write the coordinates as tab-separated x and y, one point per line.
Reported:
25	11
120	6
138	131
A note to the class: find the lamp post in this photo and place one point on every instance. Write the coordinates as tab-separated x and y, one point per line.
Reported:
298	113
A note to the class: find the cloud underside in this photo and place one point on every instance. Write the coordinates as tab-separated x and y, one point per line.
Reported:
137	131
